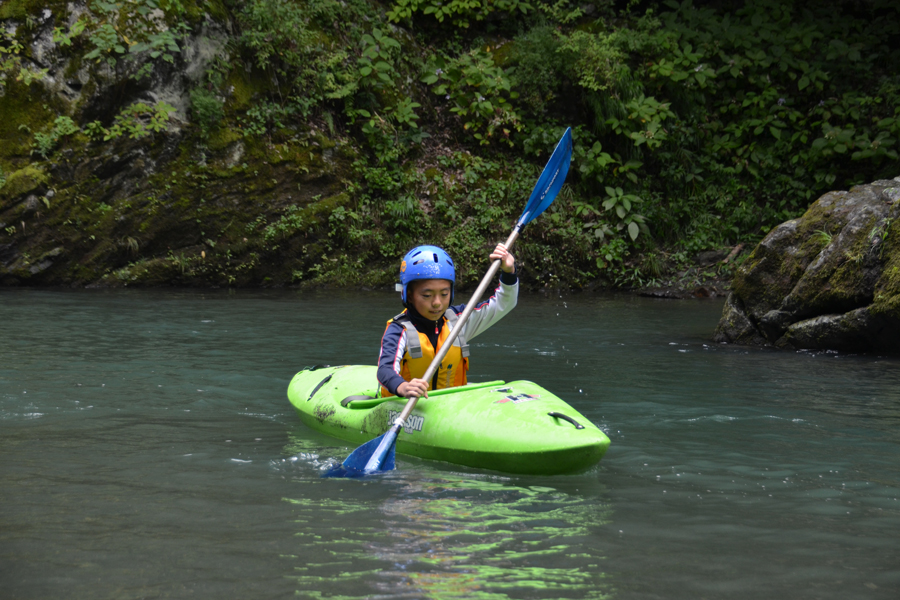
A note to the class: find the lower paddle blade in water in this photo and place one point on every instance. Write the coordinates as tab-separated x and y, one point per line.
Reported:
355	464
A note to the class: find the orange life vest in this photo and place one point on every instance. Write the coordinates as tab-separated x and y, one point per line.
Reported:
419	354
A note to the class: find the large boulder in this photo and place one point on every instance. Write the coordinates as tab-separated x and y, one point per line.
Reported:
827	280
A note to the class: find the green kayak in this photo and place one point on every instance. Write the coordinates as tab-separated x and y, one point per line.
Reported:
516	427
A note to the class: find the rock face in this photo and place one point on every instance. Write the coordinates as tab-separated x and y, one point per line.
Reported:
169	207
828	280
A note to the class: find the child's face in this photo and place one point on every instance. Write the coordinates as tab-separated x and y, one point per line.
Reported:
431	297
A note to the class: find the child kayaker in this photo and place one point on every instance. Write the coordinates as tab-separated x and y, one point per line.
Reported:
413	338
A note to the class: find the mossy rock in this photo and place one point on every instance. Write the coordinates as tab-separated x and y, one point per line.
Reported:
830	279
771	270
24	110
150	272
21	182
886	299
244	85
222	137
21	9
843	275
300	220
858	330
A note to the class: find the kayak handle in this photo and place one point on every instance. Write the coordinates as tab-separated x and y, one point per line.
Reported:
559	415
359	400
318	387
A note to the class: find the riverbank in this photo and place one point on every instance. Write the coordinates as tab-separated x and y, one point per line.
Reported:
294	144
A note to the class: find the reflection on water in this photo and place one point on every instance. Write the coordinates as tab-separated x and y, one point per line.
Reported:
421	534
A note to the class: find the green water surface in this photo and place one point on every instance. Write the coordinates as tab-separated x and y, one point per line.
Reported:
147	450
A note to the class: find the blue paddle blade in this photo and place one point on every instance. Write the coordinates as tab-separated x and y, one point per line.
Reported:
550	181
382	450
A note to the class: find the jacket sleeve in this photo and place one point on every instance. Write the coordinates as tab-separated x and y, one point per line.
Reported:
393	347
488	312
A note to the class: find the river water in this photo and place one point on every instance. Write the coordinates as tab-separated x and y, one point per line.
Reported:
147	450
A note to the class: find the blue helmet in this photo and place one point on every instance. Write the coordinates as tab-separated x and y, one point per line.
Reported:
426	262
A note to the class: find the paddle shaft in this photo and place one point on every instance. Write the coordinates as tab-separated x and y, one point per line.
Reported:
454	333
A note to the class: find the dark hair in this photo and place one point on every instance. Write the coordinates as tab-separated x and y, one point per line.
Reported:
412	285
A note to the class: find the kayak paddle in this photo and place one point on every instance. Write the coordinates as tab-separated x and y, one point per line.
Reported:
378	454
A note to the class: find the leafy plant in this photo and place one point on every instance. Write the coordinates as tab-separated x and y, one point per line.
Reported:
108	46
539	65
140	120
622	205
879	234
594	162
478	91
283	40
460	12
822	236
376	65
11	62
403	208
261	119
208	110
598	58
127	29
644	122
44	143
65	38
94	130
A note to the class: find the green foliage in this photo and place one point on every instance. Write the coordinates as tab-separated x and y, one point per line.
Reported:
264	118
824	237
66	38
597	58
45	142
622	205
388	134
539	66
403	210
108	46
11	63
282	37
135	121
389	120
478	91
94	130
726	124
376	65
459	12
569	11
207	110
316	65
879	234
696	126
127	29
593	162
294	219
644	122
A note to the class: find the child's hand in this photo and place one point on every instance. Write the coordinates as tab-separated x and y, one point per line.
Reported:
416	387
507	260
